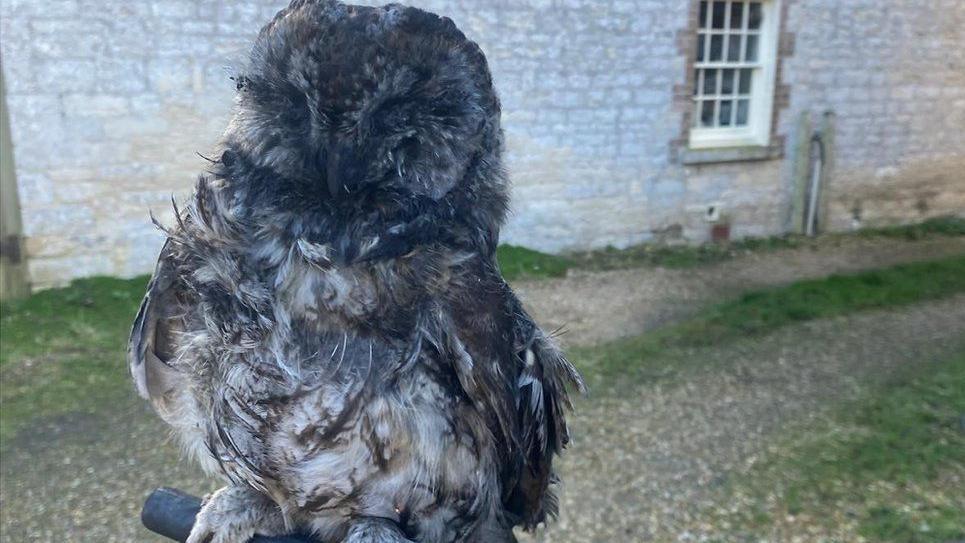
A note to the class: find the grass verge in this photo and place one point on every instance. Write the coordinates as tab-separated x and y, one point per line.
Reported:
890	468
521	263
760	312
63	350
680	256
938	226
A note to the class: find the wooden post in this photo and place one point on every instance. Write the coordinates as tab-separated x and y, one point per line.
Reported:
13	262
800	179
827	174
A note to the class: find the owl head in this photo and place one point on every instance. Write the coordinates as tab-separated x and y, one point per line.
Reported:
350	107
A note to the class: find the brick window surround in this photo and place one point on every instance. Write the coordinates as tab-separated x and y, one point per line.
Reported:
683	97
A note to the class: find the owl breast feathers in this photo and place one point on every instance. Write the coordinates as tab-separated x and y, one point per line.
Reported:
327	327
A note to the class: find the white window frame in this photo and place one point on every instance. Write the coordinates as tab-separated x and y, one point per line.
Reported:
757	132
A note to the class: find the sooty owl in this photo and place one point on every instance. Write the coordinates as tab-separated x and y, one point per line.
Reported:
327	327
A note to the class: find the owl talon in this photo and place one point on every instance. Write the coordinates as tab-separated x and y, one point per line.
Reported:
375	530
235	515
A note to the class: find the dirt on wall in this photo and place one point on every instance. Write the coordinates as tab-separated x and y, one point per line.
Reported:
884	196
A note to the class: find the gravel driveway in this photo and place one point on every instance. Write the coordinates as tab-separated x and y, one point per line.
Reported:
645	461
644	457
606	305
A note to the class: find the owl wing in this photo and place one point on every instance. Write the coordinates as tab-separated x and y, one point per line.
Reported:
151	347
542	399
513	371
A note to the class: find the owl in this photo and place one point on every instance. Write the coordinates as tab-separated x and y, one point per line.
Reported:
327	329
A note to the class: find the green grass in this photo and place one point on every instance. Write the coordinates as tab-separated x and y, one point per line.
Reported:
522	263
63	349
90	314
763	311
679	256
905	433
939	226
889	461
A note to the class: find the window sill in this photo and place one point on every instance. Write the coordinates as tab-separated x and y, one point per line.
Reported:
749	153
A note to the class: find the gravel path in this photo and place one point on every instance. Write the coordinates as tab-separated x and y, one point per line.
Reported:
643	458
645	461
607	305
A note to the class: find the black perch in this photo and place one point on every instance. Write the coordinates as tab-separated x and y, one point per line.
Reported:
170	512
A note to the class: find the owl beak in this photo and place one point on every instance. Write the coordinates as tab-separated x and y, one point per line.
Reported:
345	169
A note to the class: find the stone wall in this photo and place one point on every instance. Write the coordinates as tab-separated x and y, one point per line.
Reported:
894	75
111	100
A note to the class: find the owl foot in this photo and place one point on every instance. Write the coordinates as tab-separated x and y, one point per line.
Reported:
375	530
235	514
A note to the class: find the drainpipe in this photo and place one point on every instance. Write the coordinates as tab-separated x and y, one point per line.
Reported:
812	172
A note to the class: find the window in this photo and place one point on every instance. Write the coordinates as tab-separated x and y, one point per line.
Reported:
734	73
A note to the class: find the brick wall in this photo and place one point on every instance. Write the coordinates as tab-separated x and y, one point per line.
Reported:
110	100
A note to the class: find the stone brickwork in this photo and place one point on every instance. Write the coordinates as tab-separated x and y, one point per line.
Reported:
110	101
894	75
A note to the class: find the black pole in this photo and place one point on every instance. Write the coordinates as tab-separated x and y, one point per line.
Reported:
170	512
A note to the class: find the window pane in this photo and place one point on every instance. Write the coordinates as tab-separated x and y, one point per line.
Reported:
734	47
700	47
736	14
725	109
703	15
754	21
751	49
720	8
716	47
742	108
744	87
710	82
696	82
727	81
707	113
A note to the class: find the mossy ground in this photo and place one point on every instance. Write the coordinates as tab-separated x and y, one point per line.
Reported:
62	350
889	467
